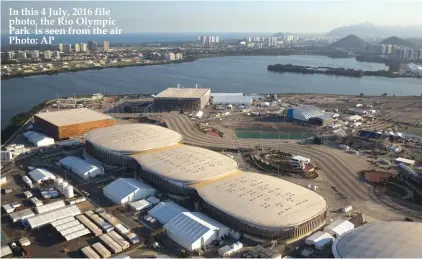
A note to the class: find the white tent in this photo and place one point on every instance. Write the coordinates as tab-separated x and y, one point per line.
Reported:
193	230
166	211
140	205
81	167
38	139
339	227
39	175
319	240
46	218
124	190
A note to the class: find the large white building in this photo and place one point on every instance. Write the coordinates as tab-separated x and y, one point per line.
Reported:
38	139
124	190
81	167
166	211
39	175
194	230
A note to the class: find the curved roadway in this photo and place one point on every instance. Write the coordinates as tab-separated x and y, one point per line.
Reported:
340	169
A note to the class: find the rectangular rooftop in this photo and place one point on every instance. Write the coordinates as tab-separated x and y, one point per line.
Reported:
184	93
72	116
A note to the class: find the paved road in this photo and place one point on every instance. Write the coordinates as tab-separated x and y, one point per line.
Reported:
338	168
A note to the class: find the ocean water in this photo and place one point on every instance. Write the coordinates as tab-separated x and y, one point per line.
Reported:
246	74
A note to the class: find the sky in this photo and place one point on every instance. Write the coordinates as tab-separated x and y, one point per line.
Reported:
241	16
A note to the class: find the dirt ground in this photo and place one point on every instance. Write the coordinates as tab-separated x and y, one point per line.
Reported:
401	109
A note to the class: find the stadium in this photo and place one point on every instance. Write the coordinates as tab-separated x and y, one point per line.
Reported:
71	123
255	204
114	145
185	99
394	239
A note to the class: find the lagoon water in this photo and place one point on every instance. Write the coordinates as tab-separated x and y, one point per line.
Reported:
246	74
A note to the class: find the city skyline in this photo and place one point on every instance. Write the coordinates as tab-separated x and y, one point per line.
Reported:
234	16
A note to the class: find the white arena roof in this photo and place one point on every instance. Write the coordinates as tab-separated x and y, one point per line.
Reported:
186	164
261	200
183	93
72	116
133	138
394	239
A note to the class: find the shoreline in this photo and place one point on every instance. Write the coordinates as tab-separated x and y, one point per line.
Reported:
331	71
189	58
18	120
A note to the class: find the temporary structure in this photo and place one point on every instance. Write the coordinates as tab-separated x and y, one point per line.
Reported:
319	240
194	230
124	190
339	227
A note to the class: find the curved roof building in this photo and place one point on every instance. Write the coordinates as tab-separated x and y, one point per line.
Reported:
132	138
304	113
394	239
186	164
113	145
275	207
252	203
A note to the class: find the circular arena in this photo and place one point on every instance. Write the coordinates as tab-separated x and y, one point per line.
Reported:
114	145
394	239
251	203
177	167
262	205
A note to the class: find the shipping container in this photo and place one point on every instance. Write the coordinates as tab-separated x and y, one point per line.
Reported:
90	253
119	240
107	227
101	250
132	238
111	244
90	225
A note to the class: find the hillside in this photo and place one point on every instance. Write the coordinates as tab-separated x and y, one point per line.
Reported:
349	42
368	29
397	41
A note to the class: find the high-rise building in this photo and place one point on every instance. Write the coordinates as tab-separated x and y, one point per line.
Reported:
56	54
61	47
67	48
106	46
84	47
22	55
92	45
10	54
48	54
420	54
198	38
389	49
178	56
217	39
411	54
77	47
35	54
212	39
170	56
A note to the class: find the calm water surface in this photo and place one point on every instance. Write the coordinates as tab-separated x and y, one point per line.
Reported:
223	74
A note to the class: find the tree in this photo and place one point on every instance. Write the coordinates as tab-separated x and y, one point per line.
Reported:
362	94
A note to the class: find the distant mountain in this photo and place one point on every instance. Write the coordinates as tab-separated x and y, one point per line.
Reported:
416	42
368	29
279	34
349	42
398	41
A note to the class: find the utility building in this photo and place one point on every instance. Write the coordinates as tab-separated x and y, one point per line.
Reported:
186	99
